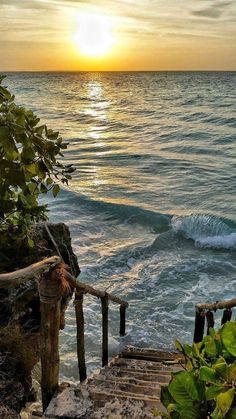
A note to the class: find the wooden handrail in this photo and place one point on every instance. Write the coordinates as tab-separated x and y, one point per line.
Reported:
218	305
12	279
205	310
50	306
93	291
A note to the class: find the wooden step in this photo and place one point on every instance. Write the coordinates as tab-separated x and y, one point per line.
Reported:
127	386
144	364
149	355
131	383
126	379
104	395
141	375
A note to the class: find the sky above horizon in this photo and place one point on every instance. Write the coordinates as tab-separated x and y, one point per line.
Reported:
125	35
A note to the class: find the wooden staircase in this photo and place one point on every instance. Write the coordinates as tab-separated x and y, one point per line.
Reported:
128	387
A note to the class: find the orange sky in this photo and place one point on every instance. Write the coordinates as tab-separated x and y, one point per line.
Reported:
146	35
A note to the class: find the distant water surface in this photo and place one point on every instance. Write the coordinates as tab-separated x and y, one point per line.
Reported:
152	206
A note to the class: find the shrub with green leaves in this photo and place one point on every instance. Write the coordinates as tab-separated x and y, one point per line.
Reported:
29	167
206	387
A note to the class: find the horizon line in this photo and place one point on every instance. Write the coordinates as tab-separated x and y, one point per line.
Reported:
116	71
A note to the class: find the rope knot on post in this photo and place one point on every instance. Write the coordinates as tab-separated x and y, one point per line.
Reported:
53	285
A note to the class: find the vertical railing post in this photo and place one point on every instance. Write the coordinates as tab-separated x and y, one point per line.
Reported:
104	301
78	302
199	325
227	314
122	320
210	321
50	302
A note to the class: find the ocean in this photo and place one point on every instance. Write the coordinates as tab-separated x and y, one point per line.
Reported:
151	206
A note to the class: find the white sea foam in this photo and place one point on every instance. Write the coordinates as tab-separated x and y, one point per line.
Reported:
206	231
218	242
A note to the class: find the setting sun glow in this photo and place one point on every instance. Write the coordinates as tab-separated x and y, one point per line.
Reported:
94	36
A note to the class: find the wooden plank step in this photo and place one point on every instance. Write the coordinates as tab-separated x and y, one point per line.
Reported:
127	379
144	364
127	387
154	356
104	395
150	373
164	353
158	378
132	380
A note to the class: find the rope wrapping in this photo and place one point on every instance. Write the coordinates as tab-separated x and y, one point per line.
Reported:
53	285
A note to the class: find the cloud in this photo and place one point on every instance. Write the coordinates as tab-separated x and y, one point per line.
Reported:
136	20
215	11
26	4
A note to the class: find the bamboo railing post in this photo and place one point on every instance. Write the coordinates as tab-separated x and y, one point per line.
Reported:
122	320
78	302
104	301
227	314
50	303
210	320
199	325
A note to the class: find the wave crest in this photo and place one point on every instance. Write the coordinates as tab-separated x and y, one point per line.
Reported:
206	231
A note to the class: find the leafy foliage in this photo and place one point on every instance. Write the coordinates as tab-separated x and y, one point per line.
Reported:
28	168
207	387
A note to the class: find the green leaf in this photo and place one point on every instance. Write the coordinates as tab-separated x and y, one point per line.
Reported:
28	153
231	413
32	188
178	346
43	188
4	133
5	93
32	169
166	397
213	391
231	372
221	367
211	348
223	403
40	130
183	388
228	336
30	242
49	181
55	190
208	375
190	413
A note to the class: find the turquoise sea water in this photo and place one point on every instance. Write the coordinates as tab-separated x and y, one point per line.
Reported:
152	206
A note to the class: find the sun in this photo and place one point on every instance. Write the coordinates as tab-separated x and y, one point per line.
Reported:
94	35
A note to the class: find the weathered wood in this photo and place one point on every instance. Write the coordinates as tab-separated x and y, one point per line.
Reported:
210	320
219	305
199	326
53	241
104	301
90	290
122	320
49	340
12	279
227	314
78	302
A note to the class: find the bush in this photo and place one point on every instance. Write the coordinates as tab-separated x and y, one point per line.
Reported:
207	387
28	168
